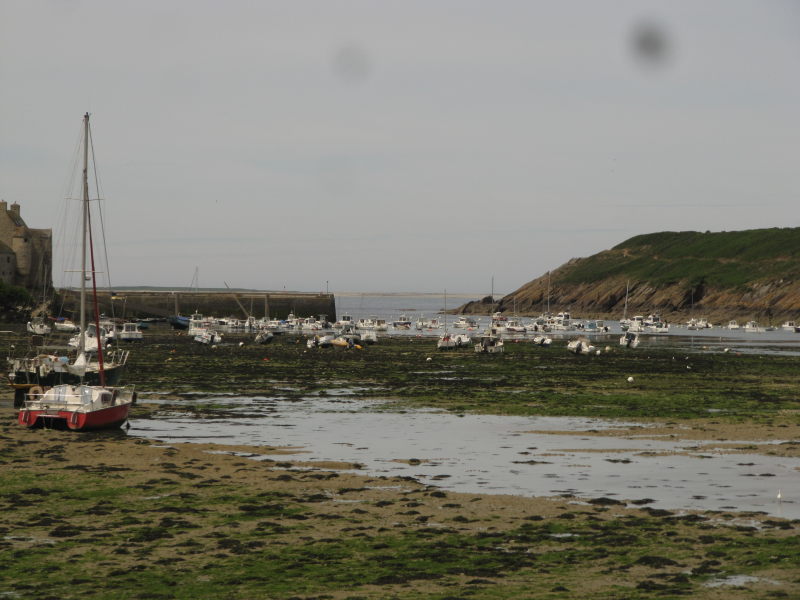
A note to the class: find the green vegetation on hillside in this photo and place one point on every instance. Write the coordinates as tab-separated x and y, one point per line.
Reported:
724	259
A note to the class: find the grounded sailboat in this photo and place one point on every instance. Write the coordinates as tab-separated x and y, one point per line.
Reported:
489	342
448	341
81	406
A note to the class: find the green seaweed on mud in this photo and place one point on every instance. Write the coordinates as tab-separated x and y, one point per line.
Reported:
83	531
525	380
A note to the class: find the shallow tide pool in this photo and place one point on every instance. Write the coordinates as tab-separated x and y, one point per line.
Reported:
497	454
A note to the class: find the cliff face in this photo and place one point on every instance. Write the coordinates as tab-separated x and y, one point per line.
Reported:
730	275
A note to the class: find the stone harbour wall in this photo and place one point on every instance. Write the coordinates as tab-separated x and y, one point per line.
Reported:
143	304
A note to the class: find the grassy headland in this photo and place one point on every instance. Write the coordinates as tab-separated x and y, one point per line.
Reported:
733	274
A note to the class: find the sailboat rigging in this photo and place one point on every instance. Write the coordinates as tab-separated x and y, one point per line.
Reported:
82	406
490	342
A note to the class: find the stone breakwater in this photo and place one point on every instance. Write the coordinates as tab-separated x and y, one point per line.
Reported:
164	303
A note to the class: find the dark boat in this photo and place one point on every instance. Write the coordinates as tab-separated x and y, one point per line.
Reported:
179	322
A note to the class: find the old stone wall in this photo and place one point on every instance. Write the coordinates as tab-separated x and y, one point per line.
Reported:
142	304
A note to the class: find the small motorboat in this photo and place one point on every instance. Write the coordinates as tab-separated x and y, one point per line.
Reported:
629	340
581	346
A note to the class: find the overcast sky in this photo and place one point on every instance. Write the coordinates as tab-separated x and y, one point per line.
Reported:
398	146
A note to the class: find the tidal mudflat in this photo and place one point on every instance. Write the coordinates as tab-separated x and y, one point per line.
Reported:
120	516
529	456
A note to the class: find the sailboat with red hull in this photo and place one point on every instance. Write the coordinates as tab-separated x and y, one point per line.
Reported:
81	407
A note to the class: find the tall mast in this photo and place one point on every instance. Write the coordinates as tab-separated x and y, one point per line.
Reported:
548	292
85	203
445	311
627	287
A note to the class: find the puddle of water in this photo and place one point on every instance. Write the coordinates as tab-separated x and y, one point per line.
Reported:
738	581
494	454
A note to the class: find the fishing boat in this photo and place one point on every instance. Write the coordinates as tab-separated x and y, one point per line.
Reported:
753	327
404	322
636	324
514	325
82	406
131	333
344	320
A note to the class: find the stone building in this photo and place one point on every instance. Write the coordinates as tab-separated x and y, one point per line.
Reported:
26	255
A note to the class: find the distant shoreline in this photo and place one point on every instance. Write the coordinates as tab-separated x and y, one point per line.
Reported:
342	294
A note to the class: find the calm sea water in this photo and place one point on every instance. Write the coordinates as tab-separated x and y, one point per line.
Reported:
391	306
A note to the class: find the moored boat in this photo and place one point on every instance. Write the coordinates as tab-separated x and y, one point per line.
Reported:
403	322
131	333
38	327
581	346
489	344
629	339
464	322
78	407
753	327
81	407
65	326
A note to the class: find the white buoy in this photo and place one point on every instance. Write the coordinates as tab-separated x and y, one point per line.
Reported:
241	344
689	367
727	350
630	379
779	495
429	358
597	353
